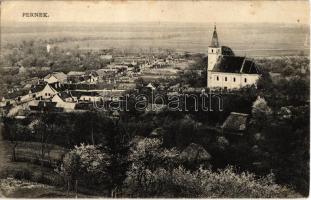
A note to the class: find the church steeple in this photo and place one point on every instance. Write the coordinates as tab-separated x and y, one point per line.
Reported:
214	51
214	42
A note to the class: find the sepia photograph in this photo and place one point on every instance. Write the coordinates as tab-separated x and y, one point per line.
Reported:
154	99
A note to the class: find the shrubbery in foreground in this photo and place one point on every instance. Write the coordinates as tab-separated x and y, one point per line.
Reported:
152	175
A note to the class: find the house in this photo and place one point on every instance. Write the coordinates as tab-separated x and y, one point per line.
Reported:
106	57
236	123
91	77
68	96
111	95
75	73
151	86
194	153
90	97
42	91
62	103
75	77
55	77
30	81
45	106
227	71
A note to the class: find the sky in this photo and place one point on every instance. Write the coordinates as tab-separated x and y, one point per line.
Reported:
159	11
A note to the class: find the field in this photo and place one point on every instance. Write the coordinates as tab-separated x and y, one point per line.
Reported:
31	171
13	188
244	39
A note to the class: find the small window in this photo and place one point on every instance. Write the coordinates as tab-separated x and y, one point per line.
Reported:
217	78
234	79
46	94
245	80
226	79
212	50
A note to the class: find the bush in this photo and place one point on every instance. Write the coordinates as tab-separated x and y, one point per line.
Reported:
22	174
207	184
86	163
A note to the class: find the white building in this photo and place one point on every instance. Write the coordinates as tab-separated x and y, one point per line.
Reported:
61	103
55	77
227	71
43	92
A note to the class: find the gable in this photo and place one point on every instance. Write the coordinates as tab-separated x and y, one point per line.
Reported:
49	89
51	79
56	98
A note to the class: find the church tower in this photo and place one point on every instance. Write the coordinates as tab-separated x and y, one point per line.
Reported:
214	51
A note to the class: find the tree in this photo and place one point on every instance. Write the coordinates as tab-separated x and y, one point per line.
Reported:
146	157
117	144
15	132
87	164
260	112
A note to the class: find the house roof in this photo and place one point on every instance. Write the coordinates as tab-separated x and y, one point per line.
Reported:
40	87
75	73
37	88
235	64
92	73
101	72
150	86
195	152
61	76
65	94
236	122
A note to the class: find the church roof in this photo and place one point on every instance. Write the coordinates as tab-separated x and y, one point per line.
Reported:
214	42
235	64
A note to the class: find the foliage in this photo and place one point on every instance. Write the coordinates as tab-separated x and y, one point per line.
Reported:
205	183
84	163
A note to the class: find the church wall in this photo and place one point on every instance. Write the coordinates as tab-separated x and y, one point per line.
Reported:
251	79
230	80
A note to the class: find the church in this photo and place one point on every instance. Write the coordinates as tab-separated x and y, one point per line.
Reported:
227	71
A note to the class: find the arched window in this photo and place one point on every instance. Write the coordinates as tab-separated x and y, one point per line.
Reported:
217	78
226	79
212	50
245	80
234	79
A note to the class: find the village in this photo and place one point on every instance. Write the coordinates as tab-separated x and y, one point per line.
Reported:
76	91
192	114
